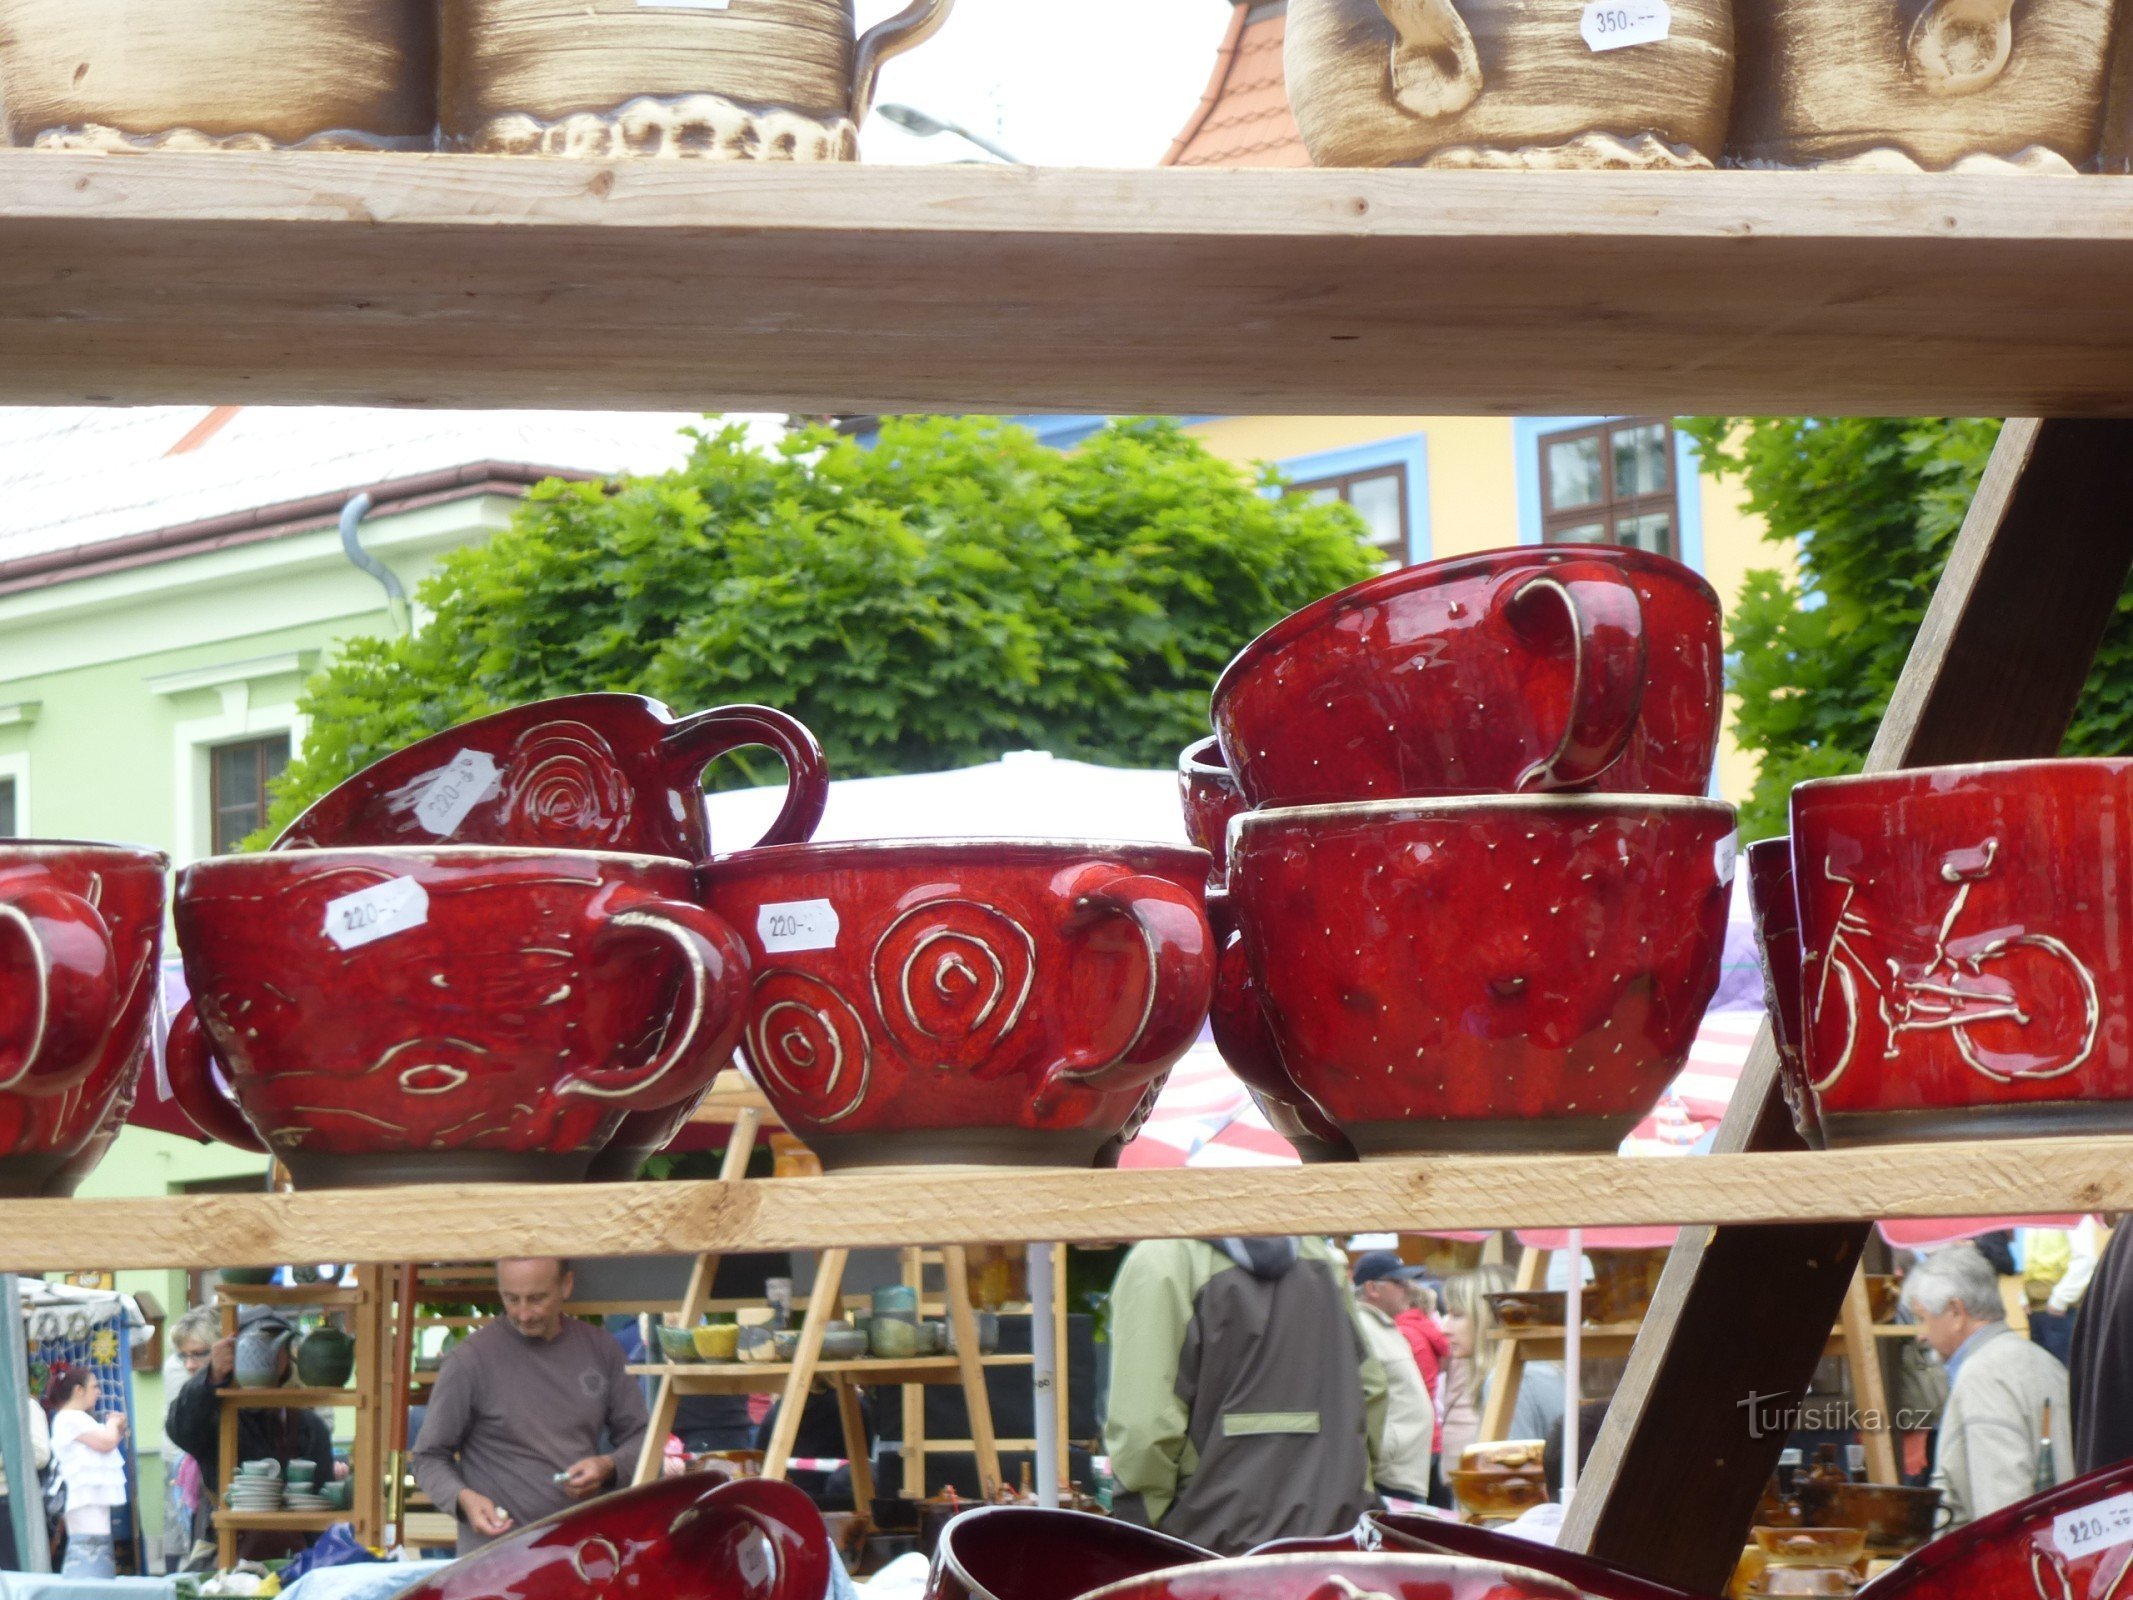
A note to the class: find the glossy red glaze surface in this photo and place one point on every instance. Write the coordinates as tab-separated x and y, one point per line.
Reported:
993	1001
1209	796
1543	667
503	1037
1517	973
1777	939
1342	1577
1029	1553
678	1539
1394	1530
2032	1550
583	772
81	933
1965	959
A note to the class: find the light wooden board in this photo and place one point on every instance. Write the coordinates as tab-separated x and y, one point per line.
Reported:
878	1209
382	279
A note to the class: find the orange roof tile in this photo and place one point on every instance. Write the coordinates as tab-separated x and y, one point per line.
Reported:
1243	120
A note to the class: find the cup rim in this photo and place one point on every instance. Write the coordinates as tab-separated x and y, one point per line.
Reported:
1427	573
1182	856
139	853
1814	786
1400	809
1203	758
443	854
1369	1560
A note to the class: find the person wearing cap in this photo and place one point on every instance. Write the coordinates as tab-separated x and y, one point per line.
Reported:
1407	1444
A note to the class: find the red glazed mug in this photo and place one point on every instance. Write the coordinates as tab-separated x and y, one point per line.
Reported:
1965	966
1772	904
1035	1553
81	932
1538	668
1005	1002
395	1015
1521	973
583	772
1333	1576
1209	797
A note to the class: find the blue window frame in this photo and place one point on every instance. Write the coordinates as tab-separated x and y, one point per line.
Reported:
1386	480
1623	512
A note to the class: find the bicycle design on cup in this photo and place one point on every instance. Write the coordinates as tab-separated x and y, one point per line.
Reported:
1975	990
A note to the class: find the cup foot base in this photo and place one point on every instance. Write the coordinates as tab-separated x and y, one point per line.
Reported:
1516	1136
957	1147
320	1169
2035	1119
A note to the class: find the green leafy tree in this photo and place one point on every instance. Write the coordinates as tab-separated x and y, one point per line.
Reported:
952	592
1871	506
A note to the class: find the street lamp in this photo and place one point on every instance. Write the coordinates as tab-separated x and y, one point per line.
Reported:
912	120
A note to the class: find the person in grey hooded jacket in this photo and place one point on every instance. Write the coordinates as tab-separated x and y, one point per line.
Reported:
1245	1403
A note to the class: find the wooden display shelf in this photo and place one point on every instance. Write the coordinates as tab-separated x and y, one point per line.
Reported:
882	1209
323	1296
288	1521
765	1377
380	279
290	1399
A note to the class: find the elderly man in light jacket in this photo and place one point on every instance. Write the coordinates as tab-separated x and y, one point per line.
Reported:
2006	1395
1404	1448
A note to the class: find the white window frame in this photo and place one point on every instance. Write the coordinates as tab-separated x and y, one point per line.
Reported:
243	715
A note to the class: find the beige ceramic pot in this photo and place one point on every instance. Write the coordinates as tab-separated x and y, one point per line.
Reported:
764	80
1909	85
219	74
1510	83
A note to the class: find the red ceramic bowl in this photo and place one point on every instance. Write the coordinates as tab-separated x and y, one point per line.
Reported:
1777	936
81	934
492	1015
678	1539
1966	965
1517	973
1402	1531
1029	1553
2069	1543
583	772
1002	1002
1209	796
1562	667
1342	1577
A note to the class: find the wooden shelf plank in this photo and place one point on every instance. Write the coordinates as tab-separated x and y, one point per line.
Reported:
285	1521
883	1208
323	1296
300	1399
768	1377
381	279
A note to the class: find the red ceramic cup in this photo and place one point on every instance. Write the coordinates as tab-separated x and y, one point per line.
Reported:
81	932
2068	1543
400	1015
1777	936
1399	1531
583	772
1032	1553
1965	964
1002	1002
1209	797
1333	1576
1539	668
1519	973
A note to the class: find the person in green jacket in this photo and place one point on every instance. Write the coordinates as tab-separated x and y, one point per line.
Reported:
1245	1403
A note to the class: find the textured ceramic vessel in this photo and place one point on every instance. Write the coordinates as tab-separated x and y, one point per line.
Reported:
401	1015
748	80
1416	1021
1772	904
1004	1002
1033	1553
326	1358
219	74
1334	1576
1602	1580
2066	1544
581	772
1965	960
1537	668
81	935
1509	83
259	1355
1208	795
1925	85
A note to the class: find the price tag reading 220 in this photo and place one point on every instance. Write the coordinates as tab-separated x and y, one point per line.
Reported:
1617	24
377	912
2092	1528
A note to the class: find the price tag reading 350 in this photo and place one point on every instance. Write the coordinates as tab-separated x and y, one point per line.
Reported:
2098	1527
1617	24
378	912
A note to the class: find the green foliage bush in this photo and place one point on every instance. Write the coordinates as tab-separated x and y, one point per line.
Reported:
953	592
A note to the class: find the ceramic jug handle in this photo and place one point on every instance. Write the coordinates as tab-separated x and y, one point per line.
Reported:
707	1018
58	945
1172	926
908	29
1608	649
189	1058
693	743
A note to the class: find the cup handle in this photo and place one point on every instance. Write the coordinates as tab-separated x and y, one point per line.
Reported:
1173	930
712	1008
72	981
1436	71
693	743
908	29
1608	645
189	1057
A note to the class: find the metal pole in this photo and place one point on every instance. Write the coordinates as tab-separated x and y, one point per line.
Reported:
25	1496
1044	1372
1573	1360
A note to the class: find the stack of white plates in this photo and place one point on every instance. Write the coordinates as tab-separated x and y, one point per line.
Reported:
256	1494
305	1500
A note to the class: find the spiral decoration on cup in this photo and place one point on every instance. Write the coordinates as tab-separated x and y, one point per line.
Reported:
810	1041
568	788
951	978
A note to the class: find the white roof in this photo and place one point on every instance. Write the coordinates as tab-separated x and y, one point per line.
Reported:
84	476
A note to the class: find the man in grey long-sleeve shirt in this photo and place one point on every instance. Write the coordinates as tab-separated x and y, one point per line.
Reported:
513	1429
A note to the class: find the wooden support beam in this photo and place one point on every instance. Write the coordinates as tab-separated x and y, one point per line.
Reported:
1742	1314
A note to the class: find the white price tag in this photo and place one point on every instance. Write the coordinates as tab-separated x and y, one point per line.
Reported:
378	912
797	925
1727	856
2098	1527
455	789
1617	24
755	1560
